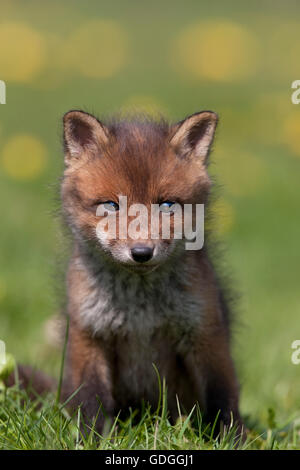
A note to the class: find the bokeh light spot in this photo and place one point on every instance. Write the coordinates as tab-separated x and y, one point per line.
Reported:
97	49
216	50
291	133
23	157
22	52
144	104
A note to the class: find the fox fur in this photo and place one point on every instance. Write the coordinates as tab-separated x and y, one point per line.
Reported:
125	316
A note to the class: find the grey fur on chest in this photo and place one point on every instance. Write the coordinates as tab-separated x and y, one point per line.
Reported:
125	303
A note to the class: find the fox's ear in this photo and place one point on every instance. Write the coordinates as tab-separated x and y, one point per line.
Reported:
193	136
83	134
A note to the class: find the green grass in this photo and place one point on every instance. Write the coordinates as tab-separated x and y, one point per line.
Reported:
255	158
44	424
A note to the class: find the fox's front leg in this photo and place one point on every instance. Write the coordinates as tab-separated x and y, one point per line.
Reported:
88	369
211	369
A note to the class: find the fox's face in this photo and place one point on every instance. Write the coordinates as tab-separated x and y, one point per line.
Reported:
160	167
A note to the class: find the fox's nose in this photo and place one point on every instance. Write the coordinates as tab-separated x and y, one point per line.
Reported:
141	253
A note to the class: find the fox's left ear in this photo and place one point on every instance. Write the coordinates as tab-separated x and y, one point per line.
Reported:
193	136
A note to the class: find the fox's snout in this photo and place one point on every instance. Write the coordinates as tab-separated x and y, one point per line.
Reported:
142	253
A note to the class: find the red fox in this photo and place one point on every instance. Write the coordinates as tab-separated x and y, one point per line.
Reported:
135	302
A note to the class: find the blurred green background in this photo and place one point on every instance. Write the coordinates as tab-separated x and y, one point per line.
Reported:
236	58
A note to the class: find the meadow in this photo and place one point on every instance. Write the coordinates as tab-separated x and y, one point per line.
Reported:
236	58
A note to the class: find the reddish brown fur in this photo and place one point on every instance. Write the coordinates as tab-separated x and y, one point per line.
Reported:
149	162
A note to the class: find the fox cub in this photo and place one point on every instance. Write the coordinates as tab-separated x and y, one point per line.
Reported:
138	301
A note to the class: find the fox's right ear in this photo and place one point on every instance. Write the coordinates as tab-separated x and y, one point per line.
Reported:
83	135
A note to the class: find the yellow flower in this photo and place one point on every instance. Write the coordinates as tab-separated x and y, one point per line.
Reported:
23	157
291	132
22	52
216	50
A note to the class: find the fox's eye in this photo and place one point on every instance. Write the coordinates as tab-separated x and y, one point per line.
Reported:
168	206
110	206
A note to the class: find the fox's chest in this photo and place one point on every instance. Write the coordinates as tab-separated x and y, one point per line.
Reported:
150	328
141	363
125	308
